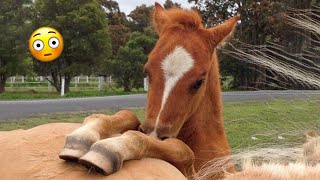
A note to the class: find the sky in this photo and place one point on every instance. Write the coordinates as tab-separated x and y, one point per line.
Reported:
128	5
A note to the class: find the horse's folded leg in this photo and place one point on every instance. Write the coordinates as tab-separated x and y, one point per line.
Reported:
107	155
96	127
175	152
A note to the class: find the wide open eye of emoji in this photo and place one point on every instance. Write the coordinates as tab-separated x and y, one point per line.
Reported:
54	42
38	45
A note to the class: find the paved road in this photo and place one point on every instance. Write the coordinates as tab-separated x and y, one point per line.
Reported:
19	109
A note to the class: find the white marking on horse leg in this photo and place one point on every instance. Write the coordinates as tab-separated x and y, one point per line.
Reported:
174	66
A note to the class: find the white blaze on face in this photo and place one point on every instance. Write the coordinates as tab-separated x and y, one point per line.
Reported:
174	66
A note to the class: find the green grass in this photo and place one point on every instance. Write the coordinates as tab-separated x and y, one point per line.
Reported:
264	120
39	90
32	94
275	122
72	117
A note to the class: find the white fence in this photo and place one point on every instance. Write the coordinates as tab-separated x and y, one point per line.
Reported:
91	83
78	82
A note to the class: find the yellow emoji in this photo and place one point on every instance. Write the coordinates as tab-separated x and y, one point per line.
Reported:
46	44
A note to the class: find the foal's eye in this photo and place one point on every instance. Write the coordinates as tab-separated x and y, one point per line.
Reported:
198	84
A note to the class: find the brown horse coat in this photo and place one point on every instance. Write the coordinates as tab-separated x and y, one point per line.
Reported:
33	154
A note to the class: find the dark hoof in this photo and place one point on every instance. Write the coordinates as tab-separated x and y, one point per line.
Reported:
101	160
71	154
75	148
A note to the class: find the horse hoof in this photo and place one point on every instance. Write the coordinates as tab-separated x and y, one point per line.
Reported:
75	147
101	160
70	154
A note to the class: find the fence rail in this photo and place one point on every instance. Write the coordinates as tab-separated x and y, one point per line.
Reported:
83	83
78	83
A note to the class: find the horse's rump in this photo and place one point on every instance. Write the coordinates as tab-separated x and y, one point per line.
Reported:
33	154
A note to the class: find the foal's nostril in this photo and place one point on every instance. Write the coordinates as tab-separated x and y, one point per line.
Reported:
164	138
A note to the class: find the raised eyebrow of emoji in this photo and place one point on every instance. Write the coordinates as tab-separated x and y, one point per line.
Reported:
36	34
52	32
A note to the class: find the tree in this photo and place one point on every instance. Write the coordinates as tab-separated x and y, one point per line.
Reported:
127	66
141	18
170	4
126	70
139	40
118	24
84	27
261	22
13	38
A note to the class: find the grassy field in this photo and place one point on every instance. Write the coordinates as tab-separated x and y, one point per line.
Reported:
248	124
266	123
72	117
31	94
40	90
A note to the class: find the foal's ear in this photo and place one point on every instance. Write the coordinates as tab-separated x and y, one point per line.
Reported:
221	32
160	17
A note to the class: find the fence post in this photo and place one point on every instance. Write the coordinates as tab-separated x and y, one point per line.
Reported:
100	83
22	79
87	79
62	86
49	84
145	84
76	82
11	82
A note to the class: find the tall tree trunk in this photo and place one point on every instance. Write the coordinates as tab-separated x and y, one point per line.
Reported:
126	83
67	84
127	88
2	88
3	79
57	81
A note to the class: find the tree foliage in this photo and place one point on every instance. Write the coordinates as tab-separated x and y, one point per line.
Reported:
13	38
261	22
141	18
101	39
171	4
86	37
118	24
127	66
133	38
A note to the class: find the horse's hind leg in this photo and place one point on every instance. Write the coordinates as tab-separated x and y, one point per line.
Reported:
94	128
107	155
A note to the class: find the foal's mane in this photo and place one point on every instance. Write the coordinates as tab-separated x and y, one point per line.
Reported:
189	20
183	18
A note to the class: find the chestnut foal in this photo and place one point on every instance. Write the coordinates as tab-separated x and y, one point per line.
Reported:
184	123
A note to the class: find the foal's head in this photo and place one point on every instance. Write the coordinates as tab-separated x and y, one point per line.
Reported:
178	67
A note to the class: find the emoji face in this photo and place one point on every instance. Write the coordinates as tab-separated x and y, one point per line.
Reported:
46	44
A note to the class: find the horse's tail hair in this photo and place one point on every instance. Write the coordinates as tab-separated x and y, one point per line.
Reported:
275	162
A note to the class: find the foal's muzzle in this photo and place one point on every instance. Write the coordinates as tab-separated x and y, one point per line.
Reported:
161	133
